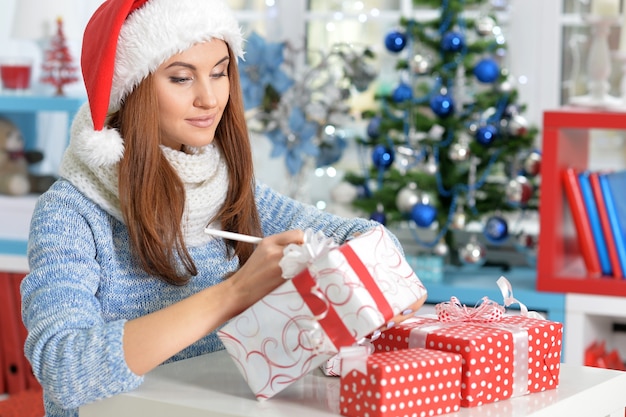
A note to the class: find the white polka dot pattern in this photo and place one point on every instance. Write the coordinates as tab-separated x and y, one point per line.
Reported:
489	362
403	383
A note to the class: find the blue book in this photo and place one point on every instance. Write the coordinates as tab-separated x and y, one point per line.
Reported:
613	186
596	225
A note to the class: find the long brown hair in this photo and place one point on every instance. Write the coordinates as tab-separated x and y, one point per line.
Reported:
152	196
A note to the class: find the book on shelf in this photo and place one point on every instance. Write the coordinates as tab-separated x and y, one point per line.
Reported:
616	268
591	206
574	196
613	185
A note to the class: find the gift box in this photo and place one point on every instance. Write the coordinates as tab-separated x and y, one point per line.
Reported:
409	382
503	355
344	294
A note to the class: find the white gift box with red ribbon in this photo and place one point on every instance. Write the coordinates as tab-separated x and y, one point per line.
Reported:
343	294
504	355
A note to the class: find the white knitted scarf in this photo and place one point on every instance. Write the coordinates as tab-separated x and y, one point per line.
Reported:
202	171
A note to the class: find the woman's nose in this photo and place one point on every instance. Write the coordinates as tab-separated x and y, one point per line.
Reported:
205	96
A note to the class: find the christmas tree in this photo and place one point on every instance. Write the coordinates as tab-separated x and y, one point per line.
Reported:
58	67
448	144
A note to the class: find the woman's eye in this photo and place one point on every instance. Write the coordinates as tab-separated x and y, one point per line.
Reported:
219	74
179	80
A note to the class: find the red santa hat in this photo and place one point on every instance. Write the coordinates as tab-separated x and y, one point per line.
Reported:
126	40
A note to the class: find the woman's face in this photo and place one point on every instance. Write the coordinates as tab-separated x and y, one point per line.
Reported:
192	91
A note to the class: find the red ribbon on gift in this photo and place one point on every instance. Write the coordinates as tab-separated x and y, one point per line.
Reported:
326	315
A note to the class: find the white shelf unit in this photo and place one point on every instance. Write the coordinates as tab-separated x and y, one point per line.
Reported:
590	318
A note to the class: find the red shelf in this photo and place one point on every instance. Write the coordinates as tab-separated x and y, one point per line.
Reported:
560	266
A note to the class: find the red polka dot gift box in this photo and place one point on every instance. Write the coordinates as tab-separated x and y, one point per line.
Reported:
409	382
340	295
504	356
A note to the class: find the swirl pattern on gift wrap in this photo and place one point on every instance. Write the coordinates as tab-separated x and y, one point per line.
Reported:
294	345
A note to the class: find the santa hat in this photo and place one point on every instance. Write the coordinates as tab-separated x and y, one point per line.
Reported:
126	40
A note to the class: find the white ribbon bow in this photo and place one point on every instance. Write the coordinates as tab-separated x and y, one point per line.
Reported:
298	257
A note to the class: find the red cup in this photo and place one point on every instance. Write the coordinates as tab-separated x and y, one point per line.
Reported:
15	74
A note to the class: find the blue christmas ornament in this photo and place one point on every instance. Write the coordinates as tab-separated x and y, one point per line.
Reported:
373	127
382	157
395	41
452	42
487	70
442	105
402	93
379	216
485	135
496	229
423	214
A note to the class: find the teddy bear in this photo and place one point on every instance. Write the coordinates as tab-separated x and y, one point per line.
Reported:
15	177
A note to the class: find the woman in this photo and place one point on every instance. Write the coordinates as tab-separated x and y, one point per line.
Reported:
122	276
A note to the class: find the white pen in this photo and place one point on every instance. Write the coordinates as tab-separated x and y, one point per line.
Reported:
232	236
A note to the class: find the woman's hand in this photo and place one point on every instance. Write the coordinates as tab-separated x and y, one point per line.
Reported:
261	273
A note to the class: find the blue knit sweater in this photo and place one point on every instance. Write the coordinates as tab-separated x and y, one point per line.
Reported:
84	285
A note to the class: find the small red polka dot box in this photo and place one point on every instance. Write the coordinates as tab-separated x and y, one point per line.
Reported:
504	355
342	295
408	382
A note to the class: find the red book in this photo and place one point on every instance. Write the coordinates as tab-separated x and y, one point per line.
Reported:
12	348
581	221
606	225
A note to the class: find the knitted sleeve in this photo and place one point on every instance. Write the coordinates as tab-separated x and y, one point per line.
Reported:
75	354
279	213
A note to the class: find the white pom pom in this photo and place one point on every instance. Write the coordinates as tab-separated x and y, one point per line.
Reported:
99	148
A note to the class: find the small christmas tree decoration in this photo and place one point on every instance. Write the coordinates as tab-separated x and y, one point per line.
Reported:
58	66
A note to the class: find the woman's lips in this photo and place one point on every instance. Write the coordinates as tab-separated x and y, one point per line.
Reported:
201	122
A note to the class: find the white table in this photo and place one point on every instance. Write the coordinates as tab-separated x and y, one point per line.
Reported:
211	386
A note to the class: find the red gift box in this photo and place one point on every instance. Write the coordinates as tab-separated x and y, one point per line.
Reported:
400	383
507	357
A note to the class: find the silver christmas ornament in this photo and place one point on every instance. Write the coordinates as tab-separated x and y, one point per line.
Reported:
459	152
508	85
459	220
430	166
407	197
472	253
518	191
518	125
441	249
405	158
484	25
420	64
532	164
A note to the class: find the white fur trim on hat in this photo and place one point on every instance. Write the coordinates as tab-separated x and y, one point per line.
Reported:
162	28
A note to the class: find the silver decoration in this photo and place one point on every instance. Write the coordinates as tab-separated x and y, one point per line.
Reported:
459	151
518	191
407	197
472	253
484	25
441	248
518	125
532	164
430	166
420	64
